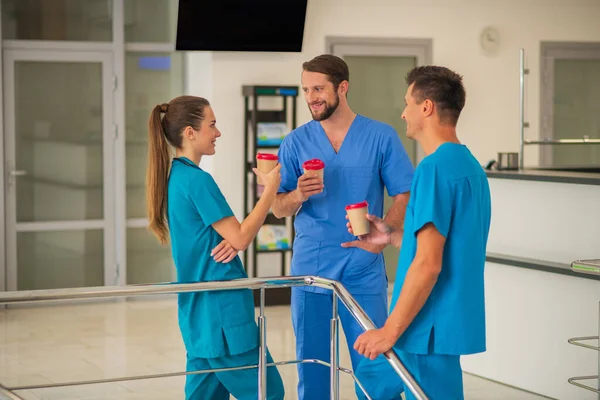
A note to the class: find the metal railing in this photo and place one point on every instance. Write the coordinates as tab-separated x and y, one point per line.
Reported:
587	267
577	341
339	292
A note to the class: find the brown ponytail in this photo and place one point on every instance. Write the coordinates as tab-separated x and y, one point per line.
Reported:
164	132
157	175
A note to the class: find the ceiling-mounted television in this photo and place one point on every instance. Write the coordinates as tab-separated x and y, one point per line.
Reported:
241	25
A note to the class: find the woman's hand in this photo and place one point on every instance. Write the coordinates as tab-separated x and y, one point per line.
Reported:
224	252
271	180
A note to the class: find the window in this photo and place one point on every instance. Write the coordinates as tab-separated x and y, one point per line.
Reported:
60	20
570	100
150	21
153	75
110	76
151	78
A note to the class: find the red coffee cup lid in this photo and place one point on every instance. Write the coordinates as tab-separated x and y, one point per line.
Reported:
313	165
357	205
267	156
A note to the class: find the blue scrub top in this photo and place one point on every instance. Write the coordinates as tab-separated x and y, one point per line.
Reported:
371	157
450	190
213	324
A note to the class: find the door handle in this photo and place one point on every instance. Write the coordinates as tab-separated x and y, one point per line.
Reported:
12	176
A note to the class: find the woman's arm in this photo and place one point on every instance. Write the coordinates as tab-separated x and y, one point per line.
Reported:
241	235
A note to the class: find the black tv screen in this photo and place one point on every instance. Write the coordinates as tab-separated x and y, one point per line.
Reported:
241	25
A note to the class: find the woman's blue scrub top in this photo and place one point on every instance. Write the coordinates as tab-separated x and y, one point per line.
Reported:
213	324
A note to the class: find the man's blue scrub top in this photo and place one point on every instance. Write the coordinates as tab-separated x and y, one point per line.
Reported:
450	190
371	157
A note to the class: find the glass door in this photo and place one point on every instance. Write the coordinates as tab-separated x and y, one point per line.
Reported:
59	152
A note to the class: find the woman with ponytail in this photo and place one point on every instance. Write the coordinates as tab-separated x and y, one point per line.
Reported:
186	206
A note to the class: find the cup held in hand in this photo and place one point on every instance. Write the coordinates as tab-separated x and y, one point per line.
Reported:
314	167
357	215
265	162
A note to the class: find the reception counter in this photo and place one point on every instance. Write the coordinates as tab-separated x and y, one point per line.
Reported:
541	222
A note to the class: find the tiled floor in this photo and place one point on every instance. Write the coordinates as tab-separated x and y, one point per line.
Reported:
55	343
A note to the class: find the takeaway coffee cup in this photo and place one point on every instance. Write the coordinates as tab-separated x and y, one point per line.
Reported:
265	162
314	167
357	215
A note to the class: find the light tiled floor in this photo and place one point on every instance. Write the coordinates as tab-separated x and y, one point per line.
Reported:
58	343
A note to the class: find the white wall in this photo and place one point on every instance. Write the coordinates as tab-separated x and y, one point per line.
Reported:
490	122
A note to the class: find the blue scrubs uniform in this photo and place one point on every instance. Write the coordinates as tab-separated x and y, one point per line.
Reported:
218	328
450	190
370	158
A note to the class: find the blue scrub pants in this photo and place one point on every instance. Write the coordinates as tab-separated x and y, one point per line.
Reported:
241	384
438	375
311	317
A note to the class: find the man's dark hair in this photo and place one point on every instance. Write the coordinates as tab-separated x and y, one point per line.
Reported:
442	86
334	67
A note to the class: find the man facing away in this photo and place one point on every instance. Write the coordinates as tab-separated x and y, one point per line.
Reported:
437	310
